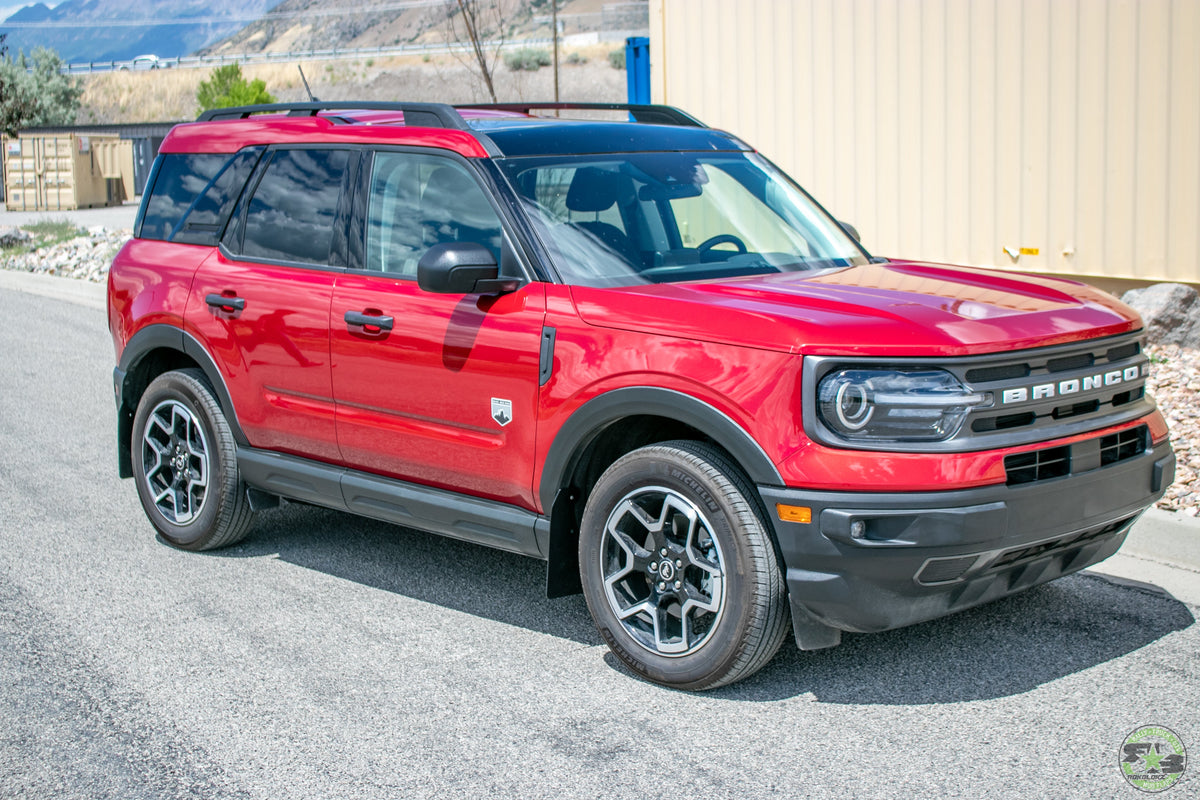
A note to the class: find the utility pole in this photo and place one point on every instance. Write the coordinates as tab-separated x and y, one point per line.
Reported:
554	22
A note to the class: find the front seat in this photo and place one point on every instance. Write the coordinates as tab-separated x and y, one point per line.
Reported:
593	190
454	209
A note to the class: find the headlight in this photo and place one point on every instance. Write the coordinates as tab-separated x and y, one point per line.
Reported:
878	405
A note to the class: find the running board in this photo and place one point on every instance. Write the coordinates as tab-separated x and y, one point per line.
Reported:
486	522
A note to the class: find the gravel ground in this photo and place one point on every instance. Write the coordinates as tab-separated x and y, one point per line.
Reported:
1174	378
1174	382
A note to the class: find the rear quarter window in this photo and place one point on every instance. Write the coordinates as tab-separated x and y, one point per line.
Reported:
193	194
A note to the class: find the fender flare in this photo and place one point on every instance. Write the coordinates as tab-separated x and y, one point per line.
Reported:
594	416
161	336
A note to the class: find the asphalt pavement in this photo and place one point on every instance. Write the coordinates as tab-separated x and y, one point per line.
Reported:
330	656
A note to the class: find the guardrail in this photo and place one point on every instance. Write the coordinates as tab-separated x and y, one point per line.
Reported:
334	54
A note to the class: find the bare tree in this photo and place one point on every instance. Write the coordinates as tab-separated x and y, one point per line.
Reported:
480	23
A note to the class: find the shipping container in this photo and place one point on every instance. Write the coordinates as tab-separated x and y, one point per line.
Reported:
63	171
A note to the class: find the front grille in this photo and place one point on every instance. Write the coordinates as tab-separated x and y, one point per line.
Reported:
1004	372
1120	446
1039	465
1090	380
1058	462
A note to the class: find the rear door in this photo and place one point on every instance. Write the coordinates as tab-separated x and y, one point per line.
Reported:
431	388
260	305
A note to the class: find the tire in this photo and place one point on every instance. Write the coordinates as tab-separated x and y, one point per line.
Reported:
679	572
185	464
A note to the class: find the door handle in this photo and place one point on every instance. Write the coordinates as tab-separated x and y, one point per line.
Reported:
359	319
226	304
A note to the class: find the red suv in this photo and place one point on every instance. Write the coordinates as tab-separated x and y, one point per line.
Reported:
634	349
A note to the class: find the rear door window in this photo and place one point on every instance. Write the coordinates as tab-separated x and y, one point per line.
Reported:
294	210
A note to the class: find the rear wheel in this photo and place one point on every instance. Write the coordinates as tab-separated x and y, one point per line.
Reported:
678	569
185	464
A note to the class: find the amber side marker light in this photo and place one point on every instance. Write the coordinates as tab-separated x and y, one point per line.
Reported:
794	513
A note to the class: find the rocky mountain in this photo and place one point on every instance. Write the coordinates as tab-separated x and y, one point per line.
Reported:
298	25
107	30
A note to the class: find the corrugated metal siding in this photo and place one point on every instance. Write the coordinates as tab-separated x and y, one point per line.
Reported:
949	130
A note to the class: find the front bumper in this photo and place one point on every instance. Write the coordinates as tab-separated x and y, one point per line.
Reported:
876	561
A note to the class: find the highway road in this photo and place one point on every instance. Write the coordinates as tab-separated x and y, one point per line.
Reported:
332	657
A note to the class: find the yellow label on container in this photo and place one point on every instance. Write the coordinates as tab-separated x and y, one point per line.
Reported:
1029	251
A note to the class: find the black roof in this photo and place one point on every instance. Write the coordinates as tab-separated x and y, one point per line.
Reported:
547	136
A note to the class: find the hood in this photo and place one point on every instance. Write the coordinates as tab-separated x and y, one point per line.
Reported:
894	309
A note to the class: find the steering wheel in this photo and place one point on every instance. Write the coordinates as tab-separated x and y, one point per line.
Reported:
722	238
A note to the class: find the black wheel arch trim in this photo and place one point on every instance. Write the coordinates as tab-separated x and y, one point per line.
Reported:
594	416
161	336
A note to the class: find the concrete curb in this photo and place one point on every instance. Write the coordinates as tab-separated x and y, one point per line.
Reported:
1162	552
84	293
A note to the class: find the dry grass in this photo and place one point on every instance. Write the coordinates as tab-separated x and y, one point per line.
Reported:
170	94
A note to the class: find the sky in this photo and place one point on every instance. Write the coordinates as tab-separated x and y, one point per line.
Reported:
7	10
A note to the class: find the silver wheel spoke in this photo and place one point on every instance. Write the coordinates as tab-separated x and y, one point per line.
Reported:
644	607
662	571
175	462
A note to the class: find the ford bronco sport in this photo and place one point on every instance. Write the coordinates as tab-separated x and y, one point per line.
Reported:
634	349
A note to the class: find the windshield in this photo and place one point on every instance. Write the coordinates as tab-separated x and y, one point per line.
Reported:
624	219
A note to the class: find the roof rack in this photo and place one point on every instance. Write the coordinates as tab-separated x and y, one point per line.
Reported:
422	115
654	114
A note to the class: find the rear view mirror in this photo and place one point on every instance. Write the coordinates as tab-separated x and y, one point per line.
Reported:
654	192
851	230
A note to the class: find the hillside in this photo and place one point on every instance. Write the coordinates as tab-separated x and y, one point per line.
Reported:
160	95
298	25
127	26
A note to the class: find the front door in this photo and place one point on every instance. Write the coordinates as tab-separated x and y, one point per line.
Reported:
435	389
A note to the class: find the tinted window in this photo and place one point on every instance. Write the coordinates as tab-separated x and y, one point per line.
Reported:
418	201
210	210
292	213
181	178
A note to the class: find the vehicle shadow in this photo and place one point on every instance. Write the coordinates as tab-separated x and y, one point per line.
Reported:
466	577
997	650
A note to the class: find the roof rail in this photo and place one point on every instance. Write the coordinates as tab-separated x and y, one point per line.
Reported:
421	115
656	114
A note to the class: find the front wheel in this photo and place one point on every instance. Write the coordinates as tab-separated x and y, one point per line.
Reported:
185	464
678	569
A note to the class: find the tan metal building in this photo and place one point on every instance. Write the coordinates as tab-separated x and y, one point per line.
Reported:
1056	136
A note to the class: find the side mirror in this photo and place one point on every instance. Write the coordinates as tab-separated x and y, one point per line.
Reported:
853	231
461	268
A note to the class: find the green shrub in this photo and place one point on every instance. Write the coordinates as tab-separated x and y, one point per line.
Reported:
34	91
227	87
576	58
616	58
527	58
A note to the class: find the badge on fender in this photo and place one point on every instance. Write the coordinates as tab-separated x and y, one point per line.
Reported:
501	411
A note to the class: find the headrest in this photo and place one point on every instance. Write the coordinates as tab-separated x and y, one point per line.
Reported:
451	194
593	189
